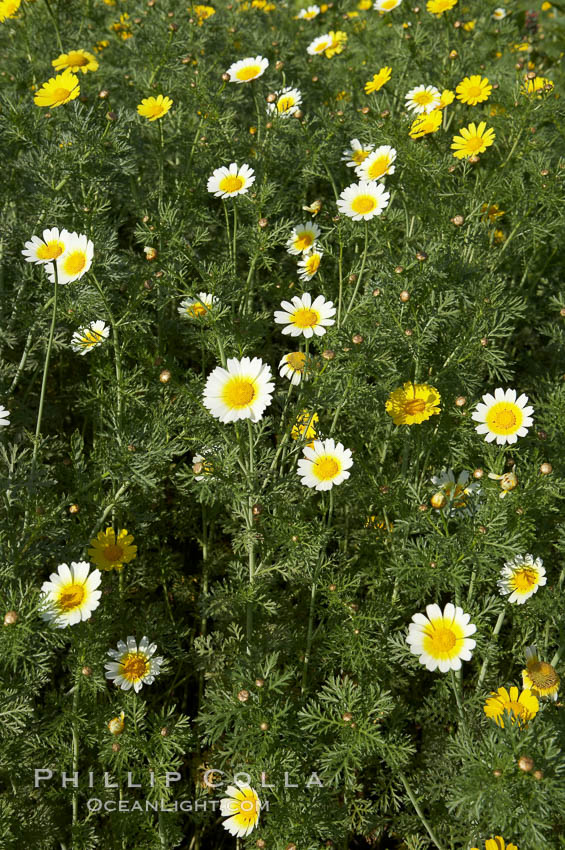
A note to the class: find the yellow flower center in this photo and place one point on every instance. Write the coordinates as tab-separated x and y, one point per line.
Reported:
113	553
322	46
134	666
197	309
389	4
248	73
155	110
422	98
309	15
304	241
359	156
326	468
523	580
71	597
516	708
474	92
239	392
60	93
231	183
443	639
51	250
90	338
379	167
306	318
75	262
542	674
363	204
296	360
76	58
504	417
284	103
414	405
312	264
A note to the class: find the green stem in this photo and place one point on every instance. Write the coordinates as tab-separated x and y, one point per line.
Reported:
456	685
56	25
75	749
228	229
340	270
419	811
359	278
45	369
251	544
117	356
234	237
309	634
495	631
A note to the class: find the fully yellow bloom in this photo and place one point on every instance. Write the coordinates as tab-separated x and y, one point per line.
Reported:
473	90
473	140
58	90
379	80
110	551
447	97
438	7
537	86
154	107
76	60
491	213
497	843
305	426
424	124
8	9
122	28
412	404
203	12
521	708
338	42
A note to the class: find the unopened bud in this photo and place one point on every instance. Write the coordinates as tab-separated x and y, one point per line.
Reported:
438	500
328	354
262	222
460	401
357	339
525	763
421	256
399	269
271	97
164	732
546	469
11	618
347	717
404	296
279	65
478	473
86	671
165	376
103	94
458	220
497	773
225	78
243	696
116	747
74	509
259	682
538	774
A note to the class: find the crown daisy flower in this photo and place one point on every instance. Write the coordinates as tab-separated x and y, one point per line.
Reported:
473	90
379	80
442	639
203	13
520	708
474	139
93	335
521	577
438	7
386	5
304	316
51	245
338	40
58	90
538	86
308	14
319	45
241	807
499	14
74	262
447	97
110	551
154	107
232	181
4	417
457	492
242	391
324	464
423	99
425	124
305	427
197	308
491	212
303	238
378	164
70	595
248	69
497	843
356	154
8	9
363	200
133	666
286	104
412	404
508	481
503	417
76	60
116	725
539	676
309	264
292	366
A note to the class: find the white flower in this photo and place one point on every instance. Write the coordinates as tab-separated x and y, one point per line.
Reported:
319	44
247	69
503	417
292	366
363	200
287	103
4	416
89	337
309	264
458	493
423	99
442	639
133	666
521	577
70	595
324	464
304	316
243	806
242	391
303	238
378	164
51	245
499	14
308	14
386	5
228	182
356	154
195	308
74	262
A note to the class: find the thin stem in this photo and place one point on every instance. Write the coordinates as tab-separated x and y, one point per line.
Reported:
45	369
75	749
456	685
419	811
251	544
117	356
56	25
234	254
360	276
309	634
228	229
495	631
340	270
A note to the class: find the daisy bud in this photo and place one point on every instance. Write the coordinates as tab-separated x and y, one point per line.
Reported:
347	717
525	763
260	843
332	587
116	747
268	125
271	97
11	618
243	696
457	220
438	500
453	54
385	113
103	94
451	169
164	732
422	508
546	469
542	435
384	489
165	376
473	159
290	846
531	75
225	78
197	468
131	448
298	114
421	256
279	65
544	172
365	110
484	341
408	332
294	538
315	79
482	529
376	293
86	671
328	354
111	116
457	25
460	401
262	222
433	564
538	774
259	682
74	509
404	295
257	510
357	339
263	727
497	773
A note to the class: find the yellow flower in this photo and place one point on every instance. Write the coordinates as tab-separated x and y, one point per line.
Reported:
379	80
379	524
58	90
447	97
122	28
473	90
469	26
364	5
76	60
473	140
100	46
491	212
537	86
8	9
305	426
338	42
545	7
521	708
154	107
412	404
499	236
438	7
110	551
116	724
203	12
497	843
541	677
425	124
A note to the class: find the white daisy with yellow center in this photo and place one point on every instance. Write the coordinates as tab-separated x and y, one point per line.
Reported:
386	5
241	807
324	464
286	104
48	247
442	639
378	164
242	391
232	181
503	417
133	666
74	262
70	595
521	577
363	200
305	317
499	14
308	14
542	678
356	153
309	264
423	99
292	366
319	45
248	69
303	238
93	335
196	308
